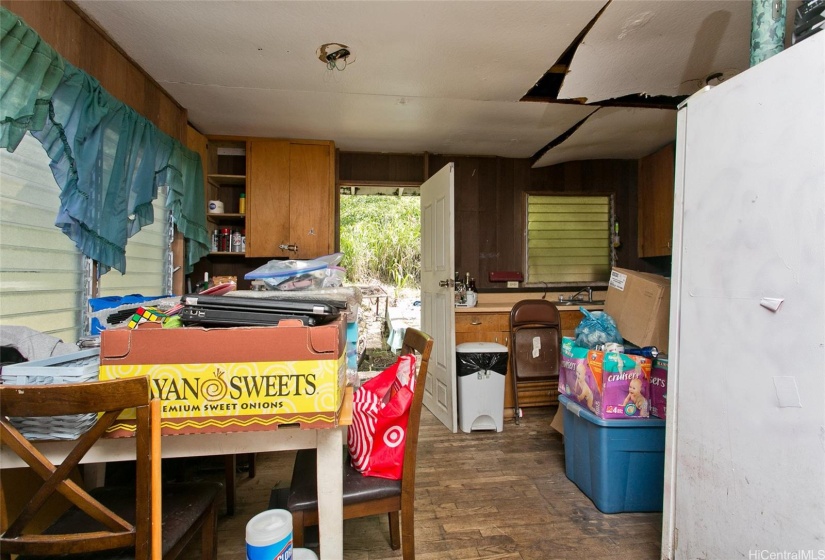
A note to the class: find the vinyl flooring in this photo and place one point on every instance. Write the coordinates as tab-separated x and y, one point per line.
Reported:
488	495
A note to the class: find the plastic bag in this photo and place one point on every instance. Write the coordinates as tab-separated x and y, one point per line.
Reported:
284	270
596	328
380	413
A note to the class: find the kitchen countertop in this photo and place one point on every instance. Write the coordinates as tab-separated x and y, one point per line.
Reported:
505	307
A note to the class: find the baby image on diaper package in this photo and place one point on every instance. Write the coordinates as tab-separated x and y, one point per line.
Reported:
609	384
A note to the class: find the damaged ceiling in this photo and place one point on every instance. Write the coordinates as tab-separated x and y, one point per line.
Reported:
446	77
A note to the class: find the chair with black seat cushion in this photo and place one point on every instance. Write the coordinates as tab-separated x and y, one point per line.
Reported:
140	521
367	495
535	338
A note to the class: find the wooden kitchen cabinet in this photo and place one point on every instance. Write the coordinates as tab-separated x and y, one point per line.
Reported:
290	198
226	182
655	192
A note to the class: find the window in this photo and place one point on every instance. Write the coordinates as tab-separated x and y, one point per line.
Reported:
148	260
41	270
43	278
569	239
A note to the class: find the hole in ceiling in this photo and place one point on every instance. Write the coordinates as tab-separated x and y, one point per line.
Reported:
549	85
335	55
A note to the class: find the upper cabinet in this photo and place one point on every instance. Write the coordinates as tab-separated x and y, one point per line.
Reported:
290	198
655	190
226	184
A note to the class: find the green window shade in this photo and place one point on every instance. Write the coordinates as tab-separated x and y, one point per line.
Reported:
568	239
41	270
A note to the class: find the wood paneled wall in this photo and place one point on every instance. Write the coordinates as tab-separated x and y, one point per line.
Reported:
489	204
489	199
84	45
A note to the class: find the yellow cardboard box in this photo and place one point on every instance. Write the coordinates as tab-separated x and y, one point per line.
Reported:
233	379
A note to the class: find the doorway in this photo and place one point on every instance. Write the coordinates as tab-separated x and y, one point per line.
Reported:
380	231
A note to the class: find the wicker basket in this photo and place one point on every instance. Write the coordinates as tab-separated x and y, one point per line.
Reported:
77	367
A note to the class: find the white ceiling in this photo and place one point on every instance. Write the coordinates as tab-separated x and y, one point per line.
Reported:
442	77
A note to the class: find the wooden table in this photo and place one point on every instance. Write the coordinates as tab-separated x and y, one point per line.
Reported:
328	442
377	293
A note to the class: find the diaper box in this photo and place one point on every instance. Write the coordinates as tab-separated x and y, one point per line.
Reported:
658	387
609	384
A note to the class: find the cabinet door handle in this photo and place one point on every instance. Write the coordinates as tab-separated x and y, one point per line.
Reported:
289	247
475	322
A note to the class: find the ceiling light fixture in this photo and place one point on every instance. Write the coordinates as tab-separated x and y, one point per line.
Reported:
335	55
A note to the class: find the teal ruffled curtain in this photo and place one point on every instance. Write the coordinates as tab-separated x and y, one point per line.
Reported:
107	159
30	72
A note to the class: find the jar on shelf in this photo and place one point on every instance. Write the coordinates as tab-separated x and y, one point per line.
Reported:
236	242
242	203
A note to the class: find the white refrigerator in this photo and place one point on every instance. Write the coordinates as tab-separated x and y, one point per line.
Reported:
745	444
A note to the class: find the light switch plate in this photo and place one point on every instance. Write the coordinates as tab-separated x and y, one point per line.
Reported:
512	284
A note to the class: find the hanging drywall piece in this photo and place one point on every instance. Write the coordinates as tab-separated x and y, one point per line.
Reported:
658	48
615	133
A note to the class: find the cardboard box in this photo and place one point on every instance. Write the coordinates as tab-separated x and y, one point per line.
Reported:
233	379
611	385
639	302
658	387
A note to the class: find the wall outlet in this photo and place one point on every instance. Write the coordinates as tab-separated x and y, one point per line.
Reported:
512	284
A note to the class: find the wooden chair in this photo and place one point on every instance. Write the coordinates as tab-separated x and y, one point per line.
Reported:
107	522
531	320
366	495
231	474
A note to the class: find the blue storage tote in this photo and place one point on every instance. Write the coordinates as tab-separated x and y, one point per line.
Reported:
619	464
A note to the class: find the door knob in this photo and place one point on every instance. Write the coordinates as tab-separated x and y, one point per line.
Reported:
446	283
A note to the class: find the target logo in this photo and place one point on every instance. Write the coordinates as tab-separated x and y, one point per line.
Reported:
394	436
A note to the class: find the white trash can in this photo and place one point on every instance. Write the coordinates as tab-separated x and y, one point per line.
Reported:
481	368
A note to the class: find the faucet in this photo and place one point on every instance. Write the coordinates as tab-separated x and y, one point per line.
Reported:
589	291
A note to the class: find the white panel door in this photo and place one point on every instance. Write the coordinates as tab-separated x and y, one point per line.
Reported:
745	447
437	294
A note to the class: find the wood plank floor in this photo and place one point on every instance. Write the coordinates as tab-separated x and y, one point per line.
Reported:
480	495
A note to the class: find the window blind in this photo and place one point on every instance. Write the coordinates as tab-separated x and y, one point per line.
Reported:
41	270
148	258
568	239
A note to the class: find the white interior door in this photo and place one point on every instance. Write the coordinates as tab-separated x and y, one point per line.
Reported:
437	299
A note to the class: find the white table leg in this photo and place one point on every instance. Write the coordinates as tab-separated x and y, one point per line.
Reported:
330	493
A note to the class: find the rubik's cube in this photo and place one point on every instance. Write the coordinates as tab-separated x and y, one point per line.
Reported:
143	315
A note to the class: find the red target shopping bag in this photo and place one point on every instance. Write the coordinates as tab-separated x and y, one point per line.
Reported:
380	411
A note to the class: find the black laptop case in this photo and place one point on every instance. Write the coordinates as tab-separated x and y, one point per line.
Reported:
242	311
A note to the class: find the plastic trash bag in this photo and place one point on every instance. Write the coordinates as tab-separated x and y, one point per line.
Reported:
470	363
596	328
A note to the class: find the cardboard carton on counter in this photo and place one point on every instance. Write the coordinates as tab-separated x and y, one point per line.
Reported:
233	379
639	302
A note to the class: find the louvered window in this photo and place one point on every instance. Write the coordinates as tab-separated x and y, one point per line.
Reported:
148	264
569	239
41	270
42	283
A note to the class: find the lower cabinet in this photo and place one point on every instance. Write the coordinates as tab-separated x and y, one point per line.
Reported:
495	327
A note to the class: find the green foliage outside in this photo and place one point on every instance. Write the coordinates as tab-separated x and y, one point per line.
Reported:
381	239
